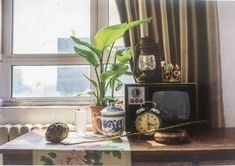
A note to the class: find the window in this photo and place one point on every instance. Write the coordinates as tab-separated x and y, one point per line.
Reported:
60	81
38	62
44	26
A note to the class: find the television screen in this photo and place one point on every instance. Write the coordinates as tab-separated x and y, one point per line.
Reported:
173	105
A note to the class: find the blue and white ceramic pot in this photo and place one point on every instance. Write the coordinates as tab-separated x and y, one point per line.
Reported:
112	121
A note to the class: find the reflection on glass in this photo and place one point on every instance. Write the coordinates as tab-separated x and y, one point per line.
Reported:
49	81
44	26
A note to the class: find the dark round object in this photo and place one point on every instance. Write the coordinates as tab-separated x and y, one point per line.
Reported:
57	132
172	137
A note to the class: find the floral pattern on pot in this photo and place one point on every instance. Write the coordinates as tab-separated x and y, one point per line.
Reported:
112	121
113	127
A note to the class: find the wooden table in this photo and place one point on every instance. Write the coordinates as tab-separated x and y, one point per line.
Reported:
206	147
214	146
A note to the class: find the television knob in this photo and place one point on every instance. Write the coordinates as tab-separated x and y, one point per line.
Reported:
132	100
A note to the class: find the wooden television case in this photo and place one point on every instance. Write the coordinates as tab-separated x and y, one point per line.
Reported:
145	92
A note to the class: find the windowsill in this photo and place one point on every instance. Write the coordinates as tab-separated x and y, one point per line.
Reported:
44	102
39	107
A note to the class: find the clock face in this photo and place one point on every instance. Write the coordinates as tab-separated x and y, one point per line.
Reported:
147	121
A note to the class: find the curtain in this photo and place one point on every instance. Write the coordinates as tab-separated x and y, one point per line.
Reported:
187	34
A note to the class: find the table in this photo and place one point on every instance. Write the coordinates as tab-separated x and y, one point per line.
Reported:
32	148
211	146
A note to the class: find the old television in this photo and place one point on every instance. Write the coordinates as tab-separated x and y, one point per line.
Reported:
177	103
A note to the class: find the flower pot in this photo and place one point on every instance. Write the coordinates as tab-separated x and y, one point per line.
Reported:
96	122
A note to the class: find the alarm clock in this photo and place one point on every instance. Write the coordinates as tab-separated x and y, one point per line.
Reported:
148	118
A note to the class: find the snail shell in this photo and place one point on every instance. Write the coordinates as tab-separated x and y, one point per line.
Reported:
57	132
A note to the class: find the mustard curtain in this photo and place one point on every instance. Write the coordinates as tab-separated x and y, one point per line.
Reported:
188	34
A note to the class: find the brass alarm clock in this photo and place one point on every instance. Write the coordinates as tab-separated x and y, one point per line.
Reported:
148	118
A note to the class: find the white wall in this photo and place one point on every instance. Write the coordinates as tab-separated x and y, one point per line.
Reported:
226	13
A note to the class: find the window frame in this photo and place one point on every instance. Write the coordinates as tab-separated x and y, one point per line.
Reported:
99	18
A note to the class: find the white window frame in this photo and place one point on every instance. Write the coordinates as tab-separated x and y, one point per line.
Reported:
99	19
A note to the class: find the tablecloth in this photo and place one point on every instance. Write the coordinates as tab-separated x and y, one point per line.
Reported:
113	152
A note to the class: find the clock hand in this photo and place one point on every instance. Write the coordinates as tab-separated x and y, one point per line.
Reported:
151	124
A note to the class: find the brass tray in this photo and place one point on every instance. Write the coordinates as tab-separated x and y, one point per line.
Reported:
172	137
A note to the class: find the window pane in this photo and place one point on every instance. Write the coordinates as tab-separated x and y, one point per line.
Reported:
113	13
49	81
44	26
114	19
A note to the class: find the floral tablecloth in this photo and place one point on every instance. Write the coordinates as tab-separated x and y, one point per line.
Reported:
116	152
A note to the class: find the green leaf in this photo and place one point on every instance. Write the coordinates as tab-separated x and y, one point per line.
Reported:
86	92
43	158
117	154
120	51
118	84
94	83
112	83
116	71
47	160
129	73
119	68
108	35
95	157
79	94
107	74
125	56
89	92
92	48
117	140
52	154
107	152
88	55
111	99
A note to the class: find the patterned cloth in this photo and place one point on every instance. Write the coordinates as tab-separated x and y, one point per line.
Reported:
116	152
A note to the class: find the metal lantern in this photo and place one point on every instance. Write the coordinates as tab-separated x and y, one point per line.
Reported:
149	62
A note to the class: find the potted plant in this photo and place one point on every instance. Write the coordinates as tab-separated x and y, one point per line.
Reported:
107	71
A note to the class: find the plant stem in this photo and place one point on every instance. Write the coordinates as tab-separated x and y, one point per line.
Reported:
112	90
102	93
109	82
97	76
101	61
107	61
99	84
113	82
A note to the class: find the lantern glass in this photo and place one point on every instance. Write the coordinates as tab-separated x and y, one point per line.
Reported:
147	62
